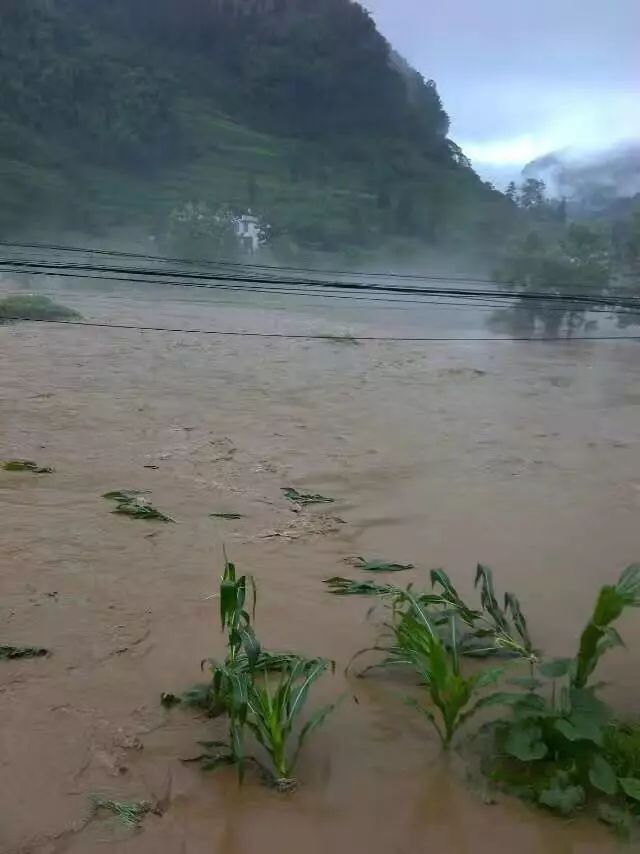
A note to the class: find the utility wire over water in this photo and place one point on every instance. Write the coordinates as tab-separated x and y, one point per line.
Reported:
328	337
63	262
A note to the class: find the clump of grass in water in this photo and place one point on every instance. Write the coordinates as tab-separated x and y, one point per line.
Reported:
34	307
129	813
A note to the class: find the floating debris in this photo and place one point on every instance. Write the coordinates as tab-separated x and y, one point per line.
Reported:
305	498
348	587
8	653
26	465
377	565
129	813
306	525
226	515
132	502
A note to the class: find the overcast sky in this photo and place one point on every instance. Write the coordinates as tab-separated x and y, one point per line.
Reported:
520	78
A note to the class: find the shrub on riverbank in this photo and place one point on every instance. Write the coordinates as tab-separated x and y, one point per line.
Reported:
33	307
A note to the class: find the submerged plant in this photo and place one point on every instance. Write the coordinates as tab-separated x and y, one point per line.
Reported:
8	653
454	698
561	747
244	688
378	565
486	631
26	465
132	502
305	498
599	635
274	711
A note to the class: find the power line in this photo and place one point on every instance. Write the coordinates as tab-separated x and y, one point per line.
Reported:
237	265
245	288
475	300
58	269
226	263
328	336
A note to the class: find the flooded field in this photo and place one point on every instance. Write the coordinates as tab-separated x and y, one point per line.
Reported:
524	456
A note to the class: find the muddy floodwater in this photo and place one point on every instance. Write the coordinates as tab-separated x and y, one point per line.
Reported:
524	456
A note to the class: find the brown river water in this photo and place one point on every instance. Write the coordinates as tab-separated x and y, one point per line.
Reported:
525	456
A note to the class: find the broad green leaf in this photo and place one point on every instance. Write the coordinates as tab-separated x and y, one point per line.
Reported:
631	787
529	682
586	704
529	706
615	817
563	799
579	728
524	741
555	668
602	776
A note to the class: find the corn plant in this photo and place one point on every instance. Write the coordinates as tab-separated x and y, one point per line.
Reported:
274	711
486	631
561	748
599	635
418	643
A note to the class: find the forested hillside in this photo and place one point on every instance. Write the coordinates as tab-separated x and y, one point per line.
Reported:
114	113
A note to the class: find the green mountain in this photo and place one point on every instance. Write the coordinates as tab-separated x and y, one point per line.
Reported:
114	113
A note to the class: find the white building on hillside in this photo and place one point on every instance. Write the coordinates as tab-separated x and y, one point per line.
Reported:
247	229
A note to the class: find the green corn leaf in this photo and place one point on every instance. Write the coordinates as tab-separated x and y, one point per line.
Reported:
488	677
451	596
602	776
484	577
428	714
313	723
631	787
512	605
629	585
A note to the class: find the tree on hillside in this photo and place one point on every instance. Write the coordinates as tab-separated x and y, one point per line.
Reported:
578	262
532	194
512	192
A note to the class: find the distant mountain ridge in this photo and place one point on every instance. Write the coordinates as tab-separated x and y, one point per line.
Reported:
593	182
